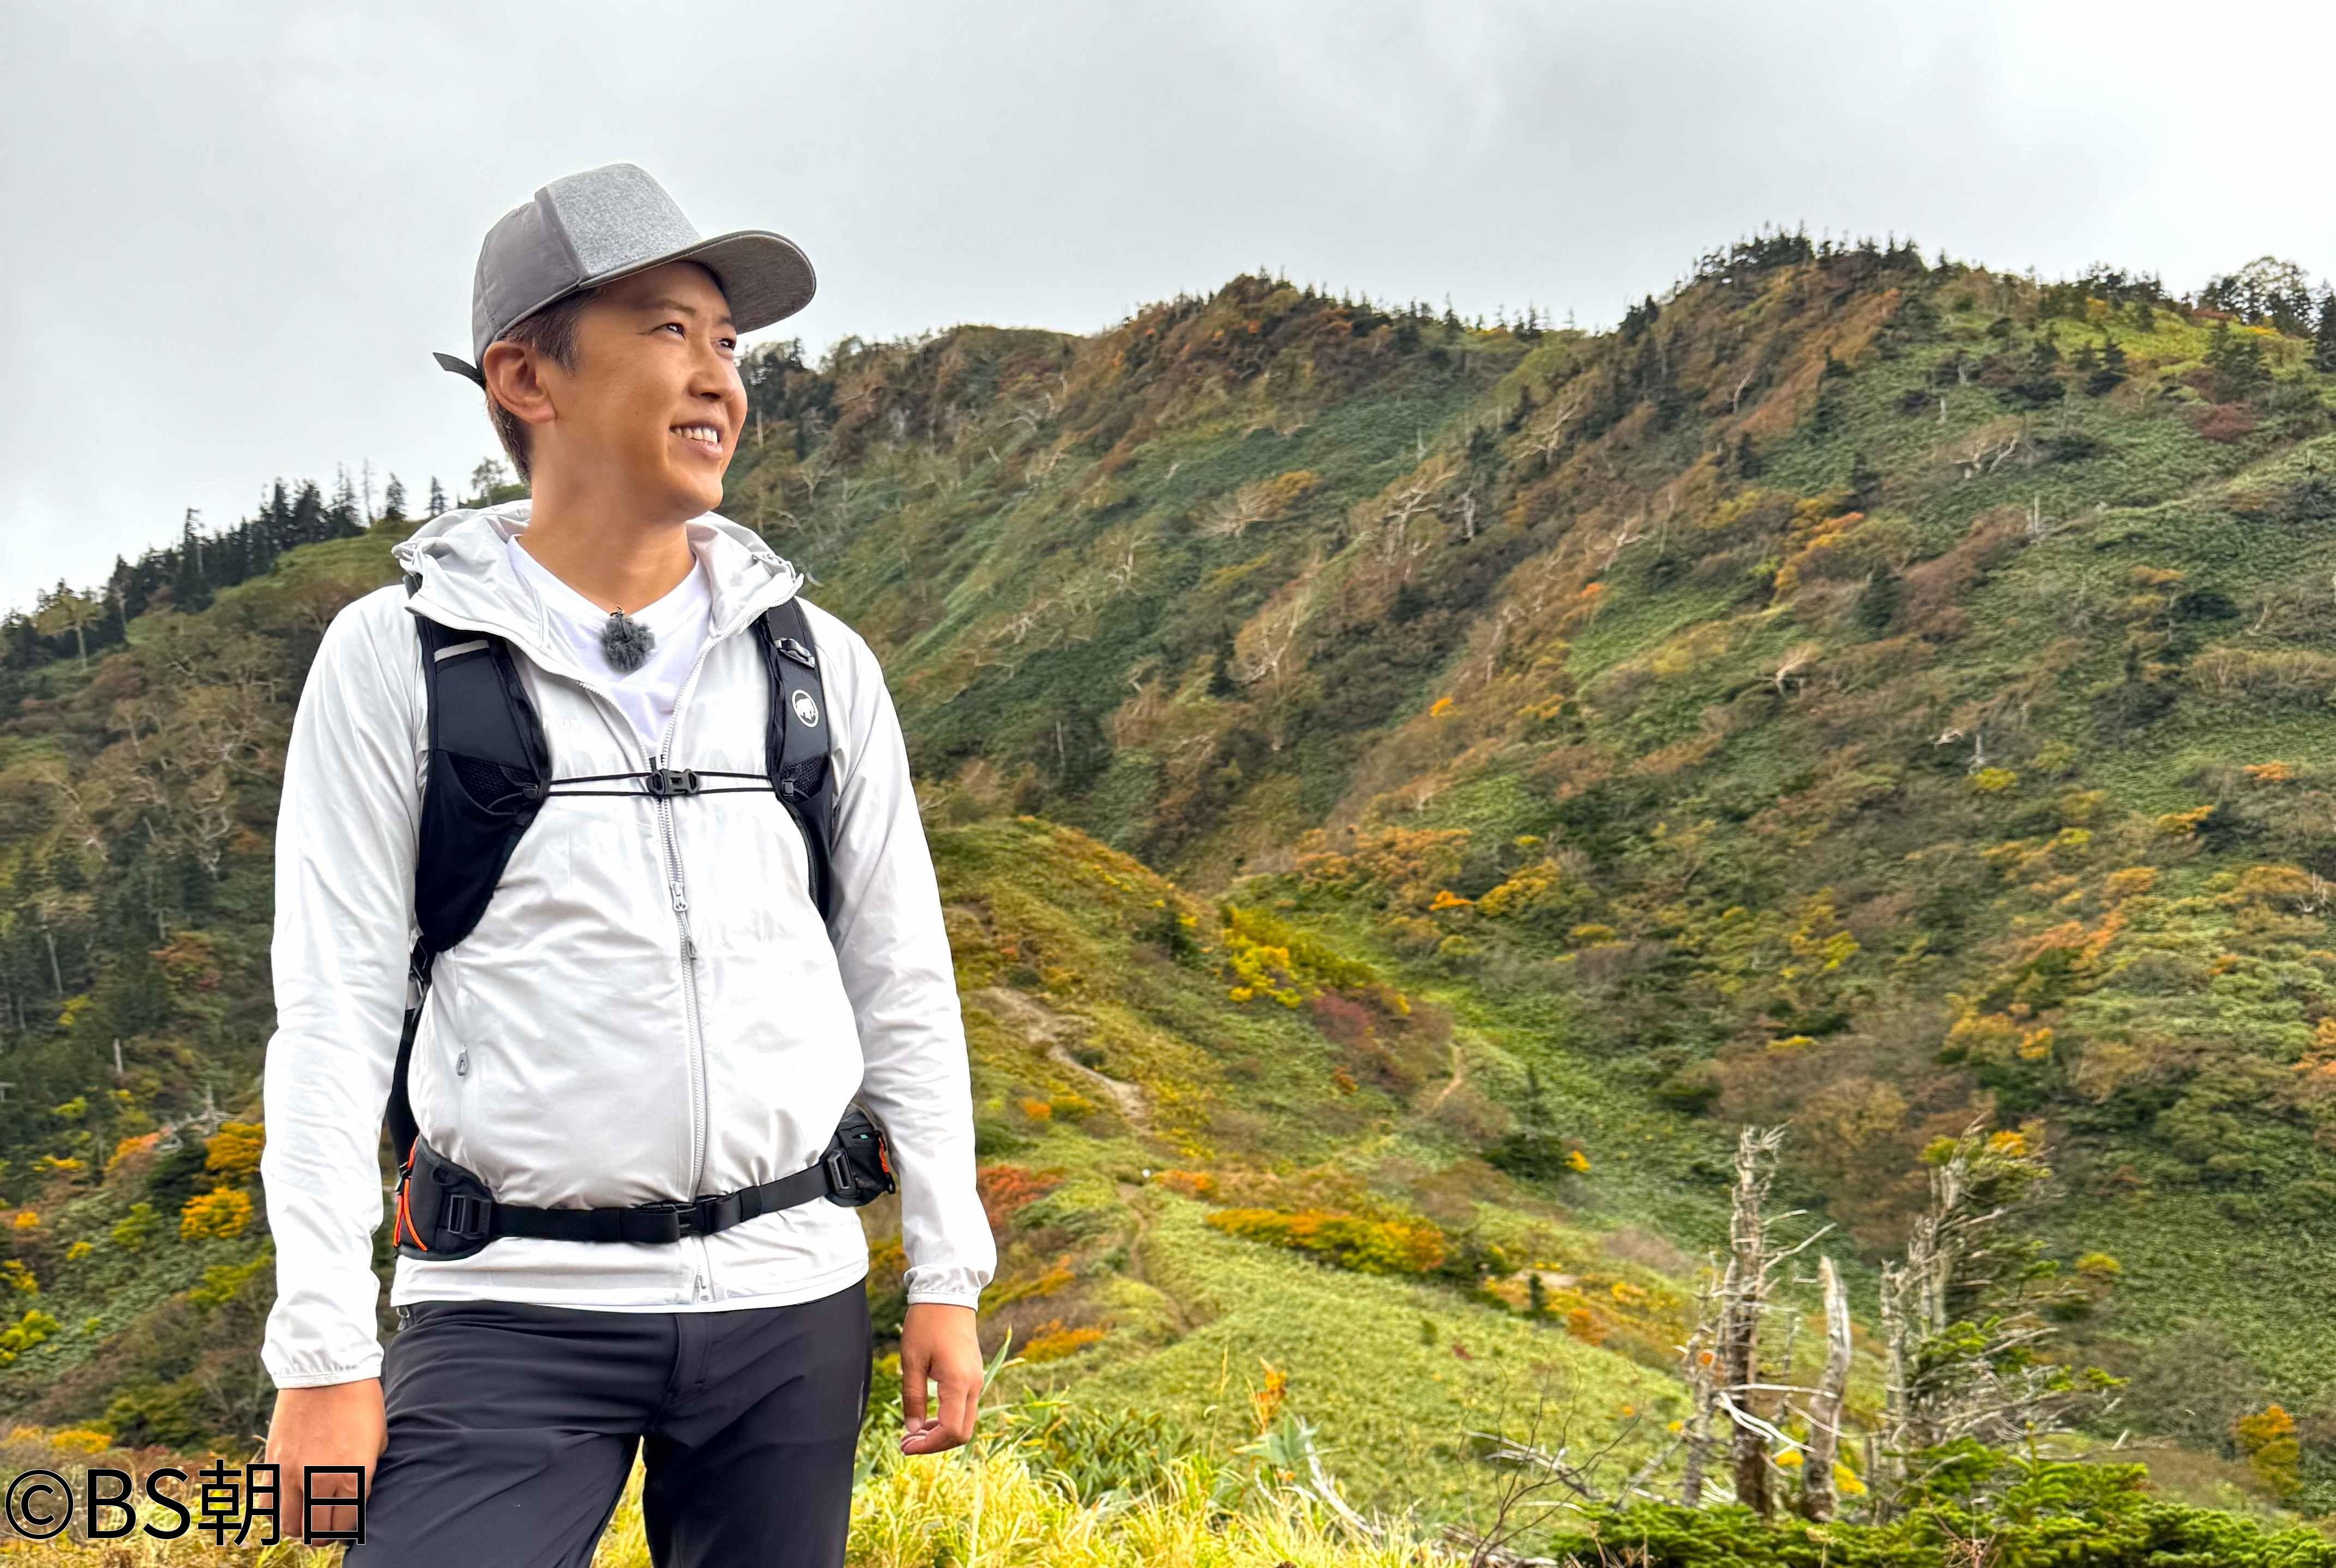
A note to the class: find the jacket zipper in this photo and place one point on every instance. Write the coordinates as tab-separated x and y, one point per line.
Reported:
679	896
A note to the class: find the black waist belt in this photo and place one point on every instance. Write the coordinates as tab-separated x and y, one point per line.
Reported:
445	1210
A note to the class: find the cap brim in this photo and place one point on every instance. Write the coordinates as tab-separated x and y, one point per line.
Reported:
765	276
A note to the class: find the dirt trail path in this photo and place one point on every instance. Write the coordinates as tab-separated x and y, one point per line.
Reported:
1051	1030
1132	1193
1459	1075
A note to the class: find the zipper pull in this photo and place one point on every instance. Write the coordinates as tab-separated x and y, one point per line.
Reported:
680	902
688	951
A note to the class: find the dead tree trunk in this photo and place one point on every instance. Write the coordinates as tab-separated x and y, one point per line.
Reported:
1702	1394
1743	1295
1817	1501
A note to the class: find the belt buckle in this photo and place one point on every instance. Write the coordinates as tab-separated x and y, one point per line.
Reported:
691	1216
462	1215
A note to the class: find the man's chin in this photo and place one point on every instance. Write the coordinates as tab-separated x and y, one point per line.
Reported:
692	495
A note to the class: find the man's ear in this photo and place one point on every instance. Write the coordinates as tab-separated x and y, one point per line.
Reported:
513	381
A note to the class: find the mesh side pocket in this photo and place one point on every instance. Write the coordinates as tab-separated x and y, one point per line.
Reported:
489	784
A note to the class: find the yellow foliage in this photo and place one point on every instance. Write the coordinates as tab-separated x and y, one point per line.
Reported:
1367	1246
223	1214
1445	899
234	1150
2268	1440
1578	1160
1994	780
78	1251
27	1331
2182	825
26	1219
1052	1341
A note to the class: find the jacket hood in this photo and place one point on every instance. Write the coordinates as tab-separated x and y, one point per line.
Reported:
467	580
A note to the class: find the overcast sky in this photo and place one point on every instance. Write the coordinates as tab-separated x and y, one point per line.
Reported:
233	233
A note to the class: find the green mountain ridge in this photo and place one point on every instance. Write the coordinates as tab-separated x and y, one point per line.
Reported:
1855	692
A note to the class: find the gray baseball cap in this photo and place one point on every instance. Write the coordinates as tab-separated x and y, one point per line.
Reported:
586	230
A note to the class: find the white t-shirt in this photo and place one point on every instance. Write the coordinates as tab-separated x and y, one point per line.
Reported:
679	621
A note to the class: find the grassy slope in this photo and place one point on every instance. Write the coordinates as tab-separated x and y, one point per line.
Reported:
1029	543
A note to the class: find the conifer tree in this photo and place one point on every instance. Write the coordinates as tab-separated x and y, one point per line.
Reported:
2323	341
2109	372
342	519
190	588
437	497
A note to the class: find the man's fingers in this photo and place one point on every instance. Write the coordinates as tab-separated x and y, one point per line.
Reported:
959	1398
912	1388
328	1515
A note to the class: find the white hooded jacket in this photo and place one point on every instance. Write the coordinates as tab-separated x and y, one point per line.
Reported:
569	1053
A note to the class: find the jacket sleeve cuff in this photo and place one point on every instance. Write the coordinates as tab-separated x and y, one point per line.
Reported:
322	1377
959	1284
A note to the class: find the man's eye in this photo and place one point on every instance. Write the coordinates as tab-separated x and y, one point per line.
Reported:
678	326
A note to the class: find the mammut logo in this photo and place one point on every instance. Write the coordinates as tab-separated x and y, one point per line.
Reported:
805	709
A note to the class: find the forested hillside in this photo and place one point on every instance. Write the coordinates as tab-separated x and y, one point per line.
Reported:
1406	792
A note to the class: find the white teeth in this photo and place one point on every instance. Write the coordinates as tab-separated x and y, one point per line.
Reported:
704	432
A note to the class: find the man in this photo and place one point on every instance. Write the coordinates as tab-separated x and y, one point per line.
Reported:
650	1005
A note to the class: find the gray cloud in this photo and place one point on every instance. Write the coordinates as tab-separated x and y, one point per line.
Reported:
236	231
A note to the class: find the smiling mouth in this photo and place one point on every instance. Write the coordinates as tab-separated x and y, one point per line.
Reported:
702	436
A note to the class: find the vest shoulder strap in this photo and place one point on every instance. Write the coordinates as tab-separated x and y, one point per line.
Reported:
797	742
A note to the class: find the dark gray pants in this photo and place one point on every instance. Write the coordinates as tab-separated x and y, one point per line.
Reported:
512	1427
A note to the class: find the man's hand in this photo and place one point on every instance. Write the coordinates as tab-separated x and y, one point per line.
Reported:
332	1424
938	1342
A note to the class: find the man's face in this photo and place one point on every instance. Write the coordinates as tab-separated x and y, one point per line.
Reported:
653	407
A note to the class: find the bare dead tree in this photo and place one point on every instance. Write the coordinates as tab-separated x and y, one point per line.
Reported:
1467	505
1549	431
1230	516
1743	1299
1963	1313
1702	1358
1794	663
1623	538
1743	1293
1817	1501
